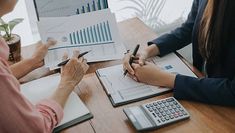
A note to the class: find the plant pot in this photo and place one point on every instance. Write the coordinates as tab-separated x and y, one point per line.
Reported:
15	48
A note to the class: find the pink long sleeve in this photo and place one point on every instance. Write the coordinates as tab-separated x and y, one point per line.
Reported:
17	114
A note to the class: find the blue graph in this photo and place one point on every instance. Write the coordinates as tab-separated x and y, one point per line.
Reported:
95	34
93	6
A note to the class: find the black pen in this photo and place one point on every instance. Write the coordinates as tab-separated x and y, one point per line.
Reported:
79	56
132	59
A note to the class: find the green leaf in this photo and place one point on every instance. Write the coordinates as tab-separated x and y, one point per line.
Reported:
14	22
4	27
1	21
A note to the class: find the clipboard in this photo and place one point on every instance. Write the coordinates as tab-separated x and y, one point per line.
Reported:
115	87
112	94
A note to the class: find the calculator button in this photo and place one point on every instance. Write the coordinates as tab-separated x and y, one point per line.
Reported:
162	105
180	114
168	112
158	106
163	119
165	109
159	121
156	112
166	104
163	113
175	102
177	110
167	118
163	101
159	115
184	113
154	115
171	116
176	115
170	100
155	104
150	110
147	106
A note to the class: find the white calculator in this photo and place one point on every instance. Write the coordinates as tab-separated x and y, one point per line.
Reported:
156	114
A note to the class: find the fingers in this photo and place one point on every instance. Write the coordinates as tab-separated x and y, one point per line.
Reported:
135	66
133	77
81	61
126	65
141	60
50	42
76	53
65	57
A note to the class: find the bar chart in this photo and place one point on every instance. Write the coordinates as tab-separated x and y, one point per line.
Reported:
58	8
92	6
93	35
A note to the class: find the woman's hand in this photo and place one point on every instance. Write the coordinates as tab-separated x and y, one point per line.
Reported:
25	66
148	52
71	74
153	75
139	59
41	52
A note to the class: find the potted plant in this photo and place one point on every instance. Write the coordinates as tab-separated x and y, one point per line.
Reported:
13	40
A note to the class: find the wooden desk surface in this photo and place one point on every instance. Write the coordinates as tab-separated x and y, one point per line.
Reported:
107	119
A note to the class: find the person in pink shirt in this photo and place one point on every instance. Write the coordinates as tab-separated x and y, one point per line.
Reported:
17	114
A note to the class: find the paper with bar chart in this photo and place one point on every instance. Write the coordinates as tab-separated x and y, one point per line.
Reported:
56	8
96	32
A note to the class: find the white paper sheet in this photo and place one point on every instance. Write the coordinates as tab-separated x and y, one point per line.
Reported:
43	88
96	31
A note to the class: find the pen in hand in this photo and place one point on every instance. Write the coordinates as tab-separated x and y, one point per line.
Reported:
132	59
79	56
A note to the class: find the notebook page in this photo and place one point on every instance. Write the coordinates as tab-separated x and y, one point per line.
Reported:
43	88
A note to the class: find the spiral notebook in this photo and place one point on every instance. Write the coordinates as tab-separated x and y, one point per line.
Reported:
74	111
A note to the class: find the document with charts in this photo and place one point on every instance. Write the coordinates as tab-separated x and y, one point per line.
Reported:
122	90
60	8
95	31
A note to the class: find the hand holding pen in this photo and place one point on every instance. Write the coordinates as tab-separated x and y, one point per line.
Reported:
131	59
73	72
66	61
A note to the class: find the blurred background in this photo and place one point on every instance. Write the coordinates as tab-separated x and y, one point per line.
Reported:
162	16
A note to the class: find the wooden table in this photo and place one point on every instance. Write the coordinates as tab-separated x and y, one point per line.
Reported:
107	119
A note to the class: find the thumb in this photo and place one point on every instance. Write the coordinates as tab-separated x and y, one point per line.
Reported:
50	42
135	66
141	61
